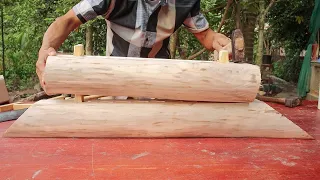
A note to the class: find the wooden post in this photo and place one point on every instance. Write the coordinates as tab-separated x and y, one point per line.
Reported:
78	50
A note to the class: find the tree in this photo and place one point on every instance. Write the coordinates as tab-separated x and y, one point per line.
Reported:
289	21
89	40
263	10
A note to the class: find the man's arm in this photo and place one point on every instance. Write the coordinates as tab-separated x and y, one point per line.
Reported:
56	34
59	30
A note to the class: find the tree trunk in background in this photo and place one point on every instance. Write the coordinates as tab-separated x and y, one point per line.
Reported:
262	9
181	50
238	15
262	16
248	33
89	40
173	44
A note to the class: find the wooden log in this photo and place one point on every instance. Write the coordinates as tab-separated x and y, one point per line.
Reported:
57	118
153	78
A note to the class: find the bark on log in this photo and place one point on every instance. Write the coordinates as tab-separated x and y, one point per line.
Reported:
58	118
38	96
154	78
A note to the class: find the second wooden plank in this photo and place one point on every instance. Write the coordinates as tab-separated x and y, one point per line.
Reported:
56	118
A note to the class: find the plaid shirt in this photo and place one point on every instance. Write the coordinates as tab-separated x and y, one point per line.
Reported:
142	28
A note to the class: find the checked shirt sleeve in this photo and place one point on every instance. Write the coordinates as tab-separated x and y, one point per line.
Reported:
87	10
196	22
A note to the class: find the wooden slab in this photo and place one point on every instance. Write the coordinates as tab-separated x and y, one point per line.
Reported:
4	96
7	107
154	78
57	118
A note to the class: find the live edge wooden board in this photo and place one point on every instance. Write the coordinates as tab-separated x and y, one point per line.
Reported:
154	78
59	118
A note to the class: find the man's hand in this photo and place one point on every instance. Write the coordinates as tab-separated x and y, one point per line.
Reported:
55	35
213	41
220	42
41	63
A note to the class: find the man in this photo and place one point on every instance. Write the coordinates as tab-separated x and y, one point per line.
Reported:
136	28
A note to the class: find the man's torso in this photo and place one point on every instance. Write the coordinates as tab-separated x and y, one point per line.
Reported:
142	28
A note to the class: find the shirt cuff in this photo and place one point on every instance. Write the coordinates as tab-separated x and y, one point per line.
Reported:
84	11
196	24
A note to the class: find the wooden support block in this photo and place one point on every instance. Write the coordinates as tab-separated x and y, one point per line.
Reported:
17	106
78	50
79	98
48	118
224	56
14	106
152	78
7	107
92	97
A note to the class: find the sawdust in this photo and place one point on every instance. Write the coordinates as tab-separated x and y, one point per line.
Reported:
285	162
103	153
137	156
209	152
294	157
36	174
197	166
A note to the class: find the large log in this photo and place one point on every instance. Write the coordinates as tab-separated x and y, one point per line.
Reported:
58	118
155	78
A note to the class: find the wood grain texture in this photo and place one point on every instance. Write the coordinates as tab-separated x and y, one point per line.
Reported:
56	118
154	78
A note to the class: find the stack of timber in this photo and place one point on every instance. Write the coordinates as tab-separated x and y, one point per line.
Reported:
215	100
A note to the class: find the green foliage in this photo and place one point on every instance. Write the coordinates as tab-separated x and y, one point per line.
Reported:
289	21
213	11
22	37
25	23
